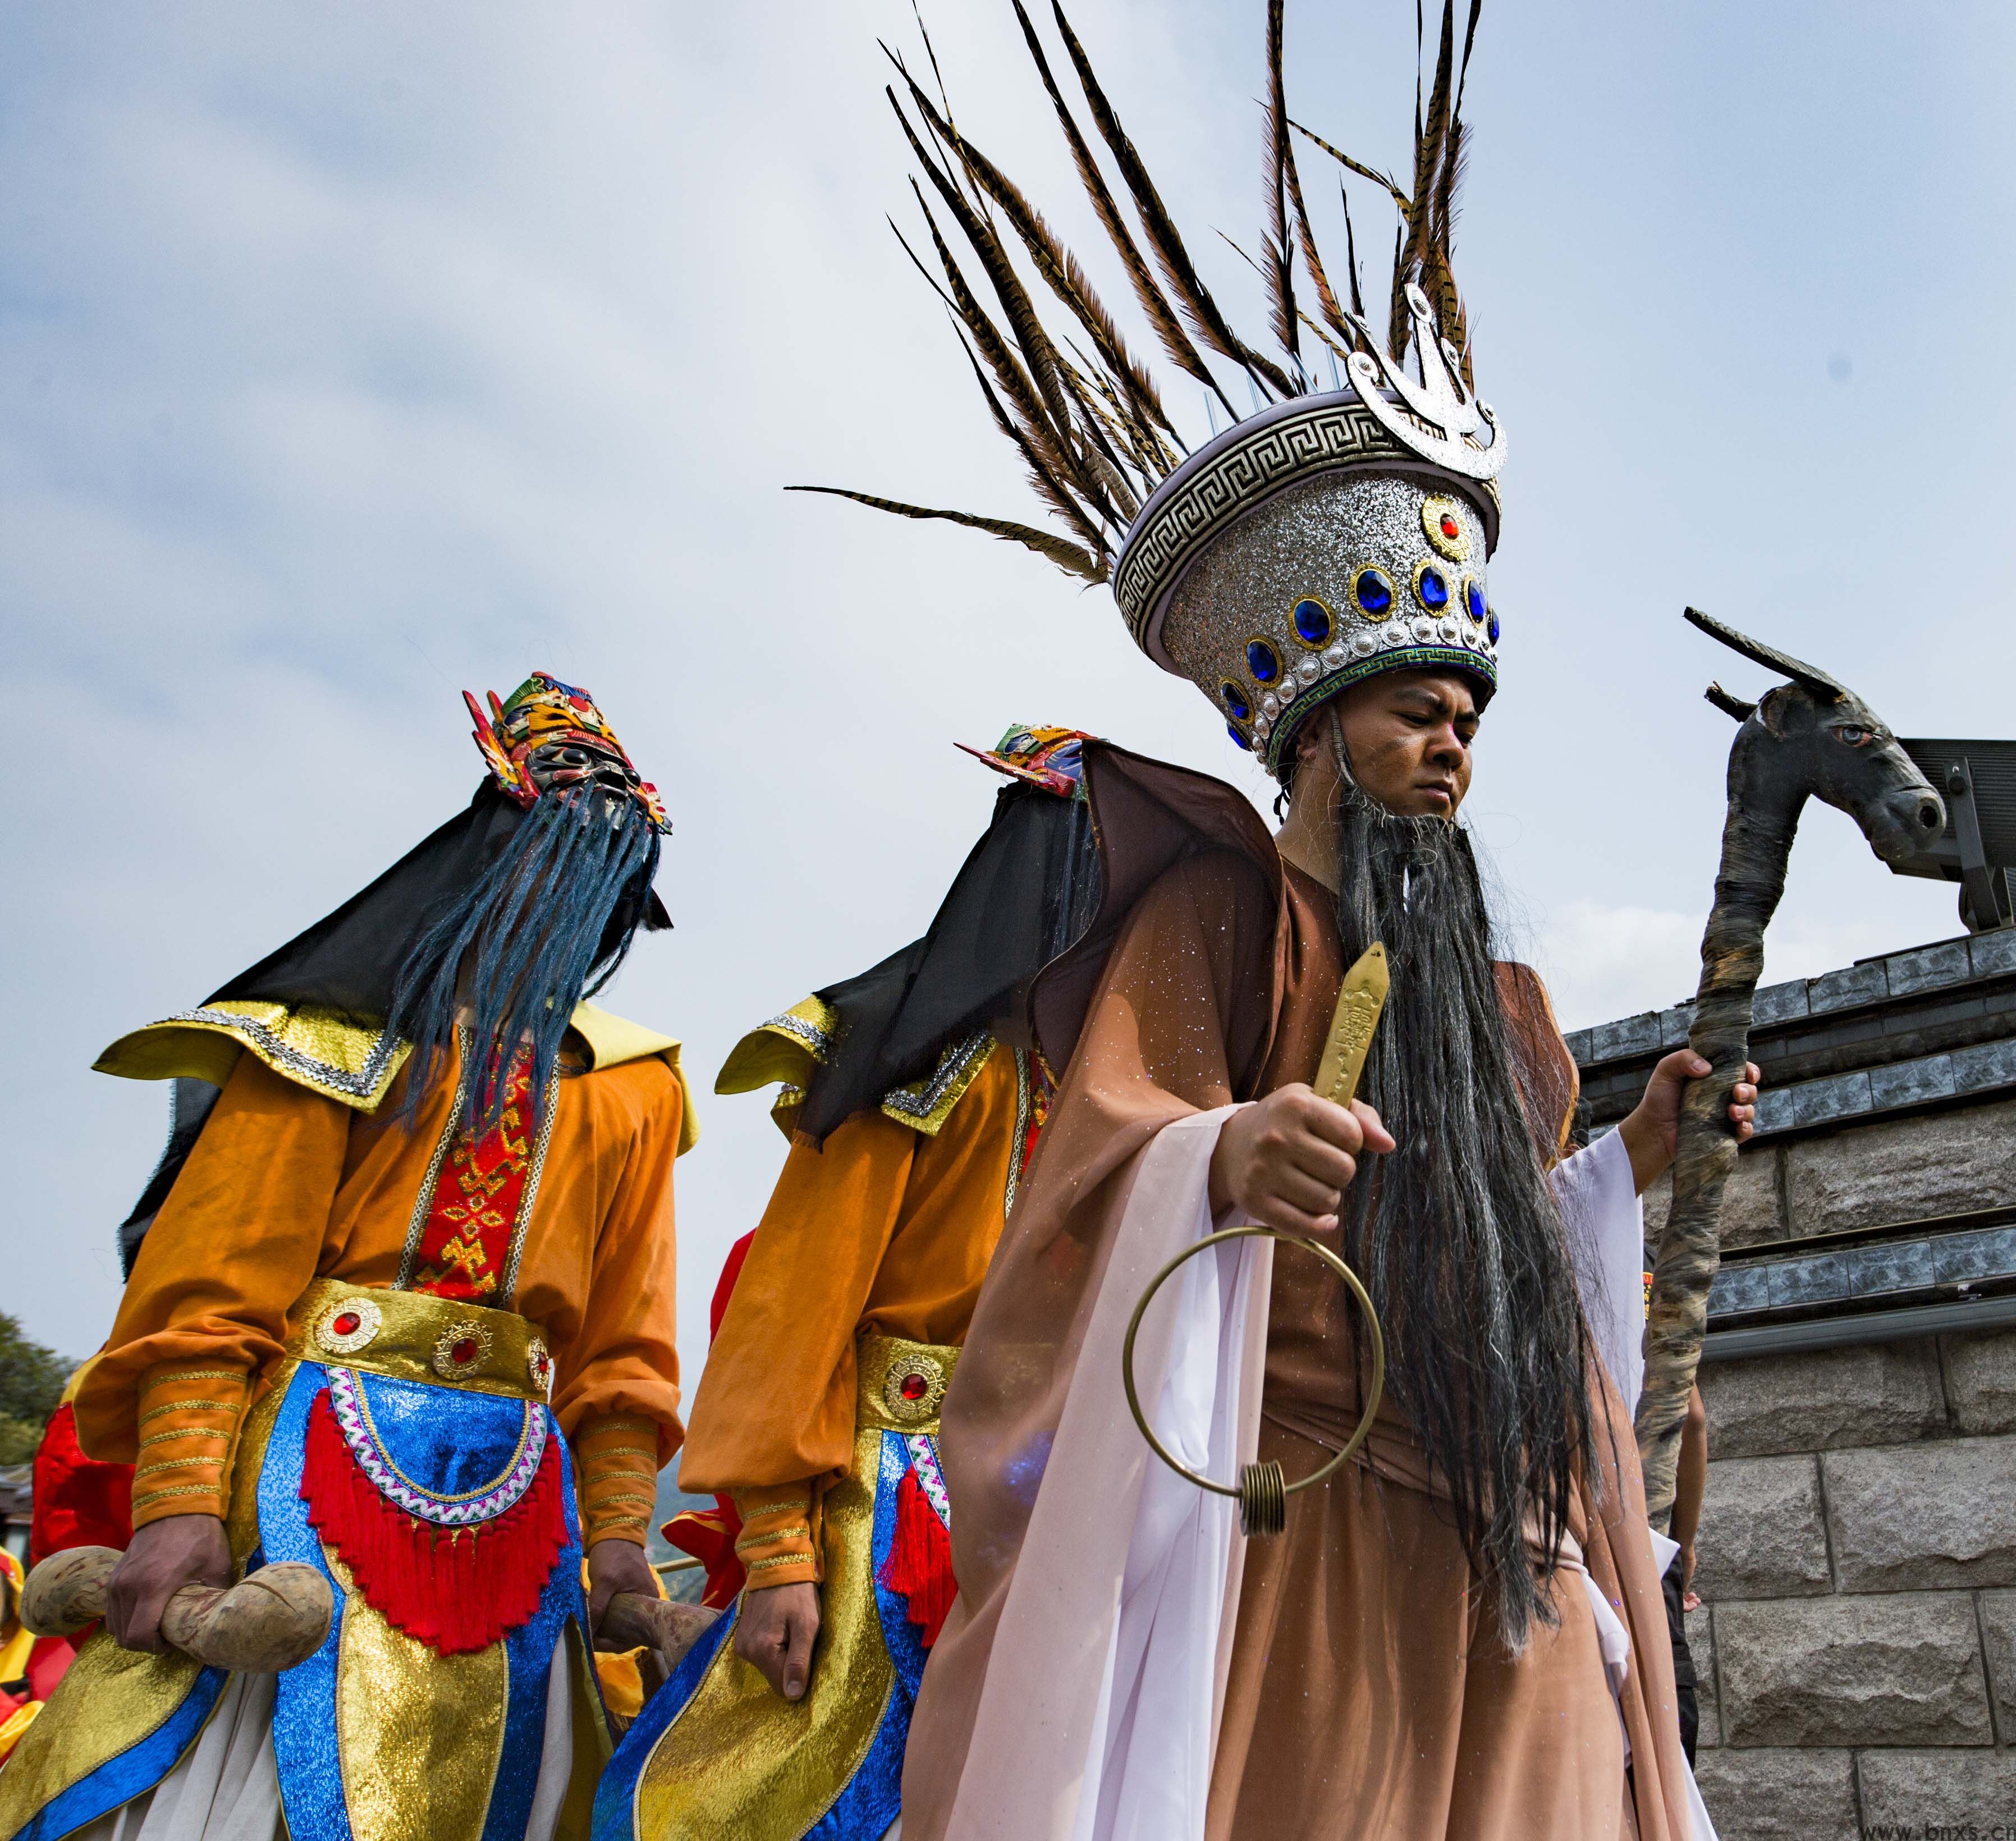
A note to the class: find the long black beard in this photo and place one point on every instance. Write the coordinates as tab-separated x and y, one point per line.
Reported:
1457	1232
547	924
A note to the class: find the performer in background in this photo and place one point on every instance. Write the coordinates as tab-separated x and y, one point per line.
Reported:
31	1667
913	1094
401	1307
1462	1633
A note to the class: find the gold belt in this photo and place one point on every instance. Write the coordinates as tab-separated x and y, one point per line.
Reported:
410	1336
899	1385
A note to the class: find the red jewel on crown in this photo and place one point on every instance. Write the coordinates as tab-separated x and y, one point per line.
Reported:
1441	523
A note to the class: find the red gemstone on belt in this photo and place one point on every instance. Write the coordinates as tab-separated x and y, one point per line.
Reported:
915	1387
1450	526
465	1352
347	1324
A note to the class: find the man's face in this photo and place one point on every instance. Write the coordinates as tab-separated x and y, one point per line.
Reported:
1409	736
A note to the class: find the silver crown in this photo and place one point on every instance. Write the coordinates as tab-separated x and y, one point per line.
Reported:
1325	540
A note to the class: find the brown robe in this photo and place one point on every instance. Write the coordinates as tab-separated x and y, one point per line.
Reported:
1367	1695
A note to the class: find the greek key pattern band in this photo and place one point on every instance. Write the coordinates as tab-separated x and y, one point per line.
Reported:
1333	433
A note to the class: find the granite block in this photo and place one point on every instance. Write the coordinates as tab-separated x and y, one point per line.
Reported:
1940	1795
1903	1169
1844	989
1762	1532
1812	1400
1701	1646
1911	1083
1674	1025
1904	1670
1924	1517
1985	1067
1577	1042
1779	1004
1753	1207
1993	954
1927	968
1981	1384
1998	1642
1780	1796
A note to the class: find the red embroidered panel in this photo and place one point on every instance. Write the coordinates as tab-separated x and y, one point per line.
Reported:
465	1243
1042	1091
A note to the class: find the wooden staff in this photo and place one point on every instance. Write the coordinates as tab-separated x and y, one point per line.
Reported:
1810	738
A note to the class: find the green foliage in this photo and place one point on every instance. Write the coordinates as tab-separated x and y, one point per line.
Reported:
18	1440
31	1383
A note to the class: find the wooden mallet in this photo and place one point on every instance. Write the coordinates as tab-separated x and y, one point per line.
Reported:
270	1620
633	1621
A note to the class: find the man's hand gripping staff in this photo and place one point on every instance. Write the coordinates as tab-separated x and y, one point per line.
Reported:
1285	1162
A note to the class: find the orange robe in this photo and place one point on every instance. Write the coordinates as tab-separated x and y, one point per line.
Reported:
285	1186
884	1230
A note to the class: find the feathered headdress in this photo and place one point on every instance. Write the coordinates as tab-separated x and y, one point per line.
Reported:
1087	415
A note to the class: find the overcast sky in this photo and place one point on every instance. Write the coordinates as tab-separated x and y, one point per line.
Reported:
352	356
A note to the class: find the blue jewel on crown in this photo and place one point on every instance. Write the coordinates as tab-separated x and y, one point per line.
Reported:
1372	593
1312	623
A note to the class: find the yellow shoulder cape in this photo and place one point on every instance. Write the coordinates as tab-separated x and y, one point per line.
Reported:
352	1063
785	1050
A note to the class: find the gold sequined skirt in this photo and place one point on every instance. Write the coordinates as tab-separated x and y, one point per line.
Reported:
717	1752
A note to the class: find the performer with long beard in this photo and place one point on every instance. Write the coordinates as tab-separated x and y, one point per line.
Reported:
400	1308
1461	1634
914	1095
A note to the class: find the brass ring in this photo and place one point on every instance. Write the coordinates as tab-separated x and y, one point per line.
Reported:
1262	1493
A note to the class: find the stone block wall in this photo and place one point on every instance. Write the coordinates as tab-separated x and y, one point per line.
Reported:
1856	1642
1869	1175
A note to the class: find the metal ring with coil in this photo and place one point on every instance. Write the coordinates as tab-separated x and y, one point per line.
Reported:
1262	1490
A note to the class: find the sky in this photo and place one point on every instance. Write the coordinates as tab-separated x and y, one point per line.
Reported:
351	357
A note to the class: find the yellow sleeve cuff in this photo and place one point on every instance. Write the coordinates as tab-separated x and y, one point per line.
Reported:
617	1459
779	1542
187	1426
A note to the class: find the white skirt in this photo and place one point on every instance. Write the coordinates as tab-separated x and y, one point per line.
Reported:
227	1788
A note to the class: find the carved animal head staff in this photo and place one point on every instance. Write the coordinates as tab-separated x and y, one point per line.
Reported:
1813	737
